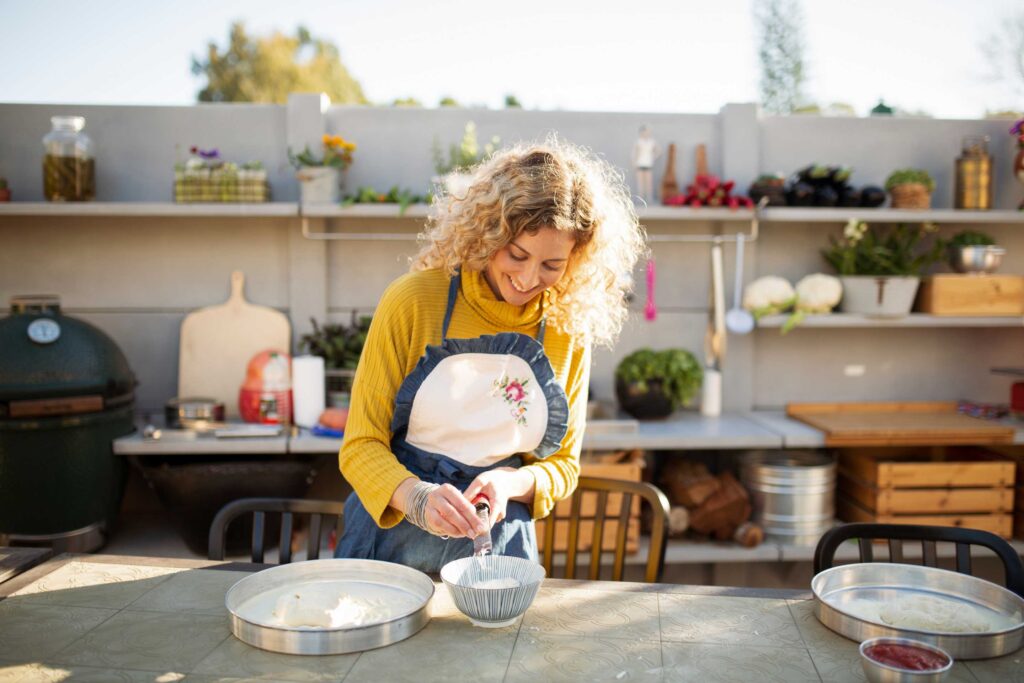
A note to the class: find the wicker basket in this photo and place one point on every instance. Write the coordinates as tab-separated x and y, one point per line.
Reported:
911	196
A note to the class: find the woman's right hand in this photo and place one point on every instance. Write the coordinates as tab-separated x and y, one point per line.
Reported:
449	513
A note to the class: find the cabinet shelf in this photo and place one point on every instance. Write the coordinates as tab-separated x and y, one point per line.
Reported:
841	215
151	209
846	320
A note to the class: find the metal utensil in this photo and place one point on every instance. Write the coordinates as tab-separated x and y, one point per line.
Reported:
839	590
738	320
877	672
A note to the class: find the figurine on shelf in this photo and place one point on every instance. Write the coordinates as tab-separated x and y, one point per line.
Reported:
645	152
1018	163
669	185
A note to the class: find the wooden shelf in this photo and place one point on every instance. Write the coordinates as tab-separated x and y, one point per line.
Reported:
847	320
154	209
413	211
841	215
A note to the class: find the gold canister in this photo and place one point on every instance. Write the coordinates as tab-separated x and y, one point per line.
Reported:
973	188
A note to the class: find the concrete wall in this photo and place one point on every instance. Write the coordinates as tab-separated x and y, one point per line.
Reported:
137	277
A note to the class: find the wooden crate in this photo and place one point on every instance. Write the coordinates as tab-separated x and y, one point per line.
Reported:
969	488
954	294
628	471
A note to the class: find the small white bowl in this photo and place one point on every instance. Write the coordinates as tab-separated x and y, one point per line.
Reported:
877	672
497	606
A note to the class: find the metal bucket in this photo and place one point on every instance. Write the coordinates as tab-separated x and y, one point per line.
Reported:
792	492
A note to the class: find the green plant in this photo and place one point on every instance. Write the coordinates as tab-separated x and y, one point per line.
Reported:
971	238
902	250
369	195
339	345
678	371
337	154
464	155
905	176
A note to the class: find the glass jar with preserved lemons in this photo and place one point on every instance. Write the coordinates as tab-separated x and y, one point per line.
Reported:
69	165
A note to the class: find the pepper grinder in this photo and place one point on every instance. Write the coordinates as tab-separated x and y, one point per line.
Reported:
482	543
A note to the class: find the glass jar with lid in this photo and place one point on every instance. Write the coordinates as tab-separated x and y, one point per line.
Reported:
973	178
69	165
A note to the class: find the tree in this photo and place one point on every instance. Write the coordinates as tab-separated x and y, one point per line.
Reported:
447	101
512	102
406	102
780	51
269	68
1004	50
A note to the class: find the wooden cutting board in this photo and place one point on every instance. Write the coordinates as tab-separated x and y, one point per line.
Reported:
217	343
898	424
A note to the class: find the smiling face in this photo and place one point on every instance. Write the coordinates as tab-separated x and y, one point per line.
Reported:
528	265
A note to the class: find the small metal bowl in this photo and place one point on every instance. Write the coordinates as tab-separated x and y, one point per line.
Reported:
976	259
876	672
486	606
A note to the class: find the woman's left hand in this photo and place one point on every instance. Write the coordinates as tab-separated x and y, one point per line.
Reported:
500	485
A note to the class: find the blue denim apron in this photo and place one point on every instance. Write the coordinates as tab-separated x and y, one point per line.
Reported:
409	545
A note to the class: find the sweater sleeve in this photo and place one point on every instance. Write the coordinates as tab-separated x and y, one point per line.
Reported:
365	458
557	474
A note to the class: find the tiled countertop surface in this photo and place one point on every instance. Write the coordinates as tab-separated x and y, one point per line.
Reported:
146	619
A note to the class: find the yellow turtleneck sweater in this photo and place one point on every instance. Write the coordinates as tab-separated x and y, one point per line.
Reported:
407	320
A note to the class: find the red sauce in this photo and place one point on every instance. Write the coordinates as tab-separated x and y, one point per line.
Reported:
906	657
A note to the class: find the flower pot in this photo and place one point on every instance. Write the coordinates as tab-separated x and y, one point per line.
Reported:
878	296
319	184
911	196
644	403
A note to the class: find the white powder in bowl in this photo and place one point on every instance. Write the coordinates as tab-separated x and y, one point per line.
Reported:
497	583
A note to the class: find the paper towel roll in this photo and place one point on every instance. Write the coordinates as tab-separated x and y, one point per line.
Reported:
308	389
711	397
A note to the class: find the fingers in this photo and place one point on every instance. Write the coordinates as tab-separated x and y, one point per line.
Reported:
455	515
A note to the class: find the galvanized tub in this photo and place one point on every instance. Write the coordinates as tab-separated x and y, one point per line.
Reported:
792	493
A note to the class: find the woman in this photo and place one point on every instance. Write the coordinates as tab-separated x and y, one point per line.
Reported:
473	380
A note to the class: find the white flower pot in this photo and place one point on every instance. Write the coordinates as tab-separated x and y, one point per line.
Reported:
878	296
319	184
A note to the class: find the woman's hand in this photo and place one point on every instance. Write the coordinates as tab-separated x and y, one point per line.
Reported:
500	485
449	513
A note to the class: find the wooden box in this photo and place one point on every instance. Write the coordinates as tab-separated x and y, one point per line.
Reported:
629	471
920	486
950	294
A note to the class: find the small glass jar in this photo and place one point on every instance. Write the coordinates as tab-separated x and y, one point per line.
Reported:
69	165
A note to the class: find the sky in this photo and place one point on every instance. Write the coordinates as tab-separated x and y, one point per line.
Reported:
587	55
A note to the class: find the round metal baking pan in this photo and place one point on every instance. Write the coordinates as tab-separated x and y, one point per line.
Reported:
835	590
330	641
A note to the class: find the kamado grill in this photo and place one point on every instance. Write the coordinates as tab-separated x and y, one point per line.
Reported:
66	392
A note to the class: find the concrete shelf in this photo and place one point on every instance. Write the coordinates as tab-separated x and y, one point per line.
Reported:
847	320
150	209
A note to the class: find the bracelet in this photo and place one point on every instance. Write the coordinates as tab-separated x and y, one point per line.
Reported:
416	505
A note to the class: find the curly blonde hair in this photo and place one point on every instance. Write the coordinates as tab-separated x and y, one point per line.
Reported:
551	184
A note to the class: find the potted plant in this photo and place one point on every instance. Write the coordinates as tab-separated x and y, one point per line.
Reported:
452	171
5	192
971	251
910	188
881	270
321	177
651	384
403	197
340	346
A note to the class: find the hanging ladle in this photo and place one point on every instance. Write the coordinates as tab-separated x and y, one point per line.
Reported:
737	319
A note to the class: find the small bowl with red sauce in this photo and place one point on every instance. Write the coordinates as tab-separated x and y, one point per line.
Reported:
902	660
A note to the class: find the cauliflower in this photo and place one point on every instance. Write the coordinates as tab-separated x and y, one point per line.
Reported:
768	295
818	293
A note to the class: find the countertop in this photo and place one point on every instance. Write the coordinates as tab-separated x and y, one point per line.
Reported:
139	618
684	430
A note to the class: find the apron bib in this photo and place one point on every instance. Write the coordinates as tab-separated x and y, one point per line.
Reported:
468	406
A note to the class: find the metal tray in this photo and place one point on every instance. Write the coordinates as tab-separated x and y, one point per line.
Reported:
330	641
835	589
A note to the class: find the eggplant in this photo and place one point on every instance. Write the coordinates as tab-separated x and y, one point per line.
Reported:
871	196
800	194
850	196
825	196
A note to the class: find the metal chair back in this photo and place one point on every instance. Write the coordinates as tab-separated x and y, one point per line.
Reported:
317	510
928	536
